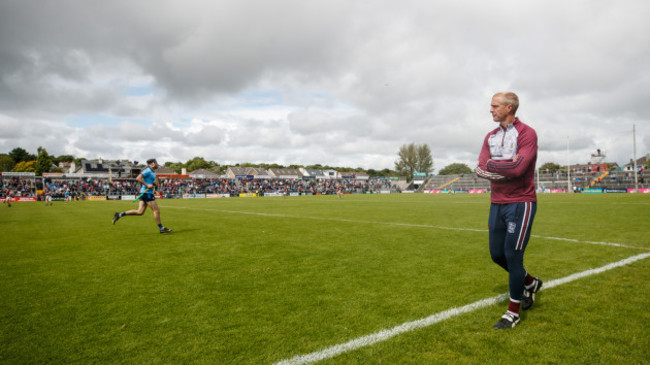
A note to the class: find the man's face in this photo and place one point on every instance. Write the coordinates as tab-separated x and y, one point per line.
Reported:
154	165
499	110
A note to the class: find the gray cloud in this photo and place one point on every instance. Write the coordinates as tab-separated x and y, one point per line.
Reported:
337	82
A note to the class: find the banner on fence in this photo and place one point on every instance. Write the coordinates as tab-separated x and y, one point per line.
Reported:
217	195
193	196
23	199
247	195
609	190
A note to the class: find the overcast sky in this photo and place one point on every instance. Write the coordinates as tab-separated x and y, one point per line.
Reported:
340	83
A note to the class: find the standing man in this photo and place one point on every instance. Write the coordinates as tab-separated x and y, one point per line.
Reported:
508	159
147	178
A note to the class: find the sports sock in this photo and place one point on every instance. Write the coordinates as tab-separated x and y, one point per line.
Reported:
122	214
513	307
528	281
160	226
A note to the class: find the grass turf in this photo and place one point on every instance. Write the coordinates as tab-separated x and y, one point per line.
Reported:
258	280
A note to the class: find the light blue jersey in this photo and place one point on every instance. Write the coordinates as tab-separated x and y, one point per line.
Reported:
149	176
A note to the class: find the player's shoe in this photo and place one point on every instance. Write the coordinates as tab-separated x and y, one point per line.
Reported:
165	230
529	294
116	217
508	320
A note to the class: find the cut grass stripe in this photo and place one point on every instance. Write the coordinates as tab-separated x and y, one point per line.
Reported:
613	244
386	334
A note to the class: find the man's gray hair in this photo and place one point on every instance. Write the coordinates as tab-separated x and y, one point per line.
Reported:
509	98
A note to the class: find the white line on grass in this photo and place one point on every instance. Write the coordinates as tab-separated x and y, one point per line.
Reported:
386	334
401	225
589	242
331	219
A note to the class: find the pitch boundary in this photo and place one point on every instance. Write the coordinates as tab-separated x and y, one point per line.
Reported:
387	334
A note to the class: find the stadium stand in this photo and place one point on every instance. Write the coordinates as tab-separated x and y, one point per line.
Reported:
117	178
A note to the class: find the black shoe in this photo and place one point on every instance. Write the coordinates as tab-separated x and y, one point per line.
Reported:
165	230
116	217
529	294
508	320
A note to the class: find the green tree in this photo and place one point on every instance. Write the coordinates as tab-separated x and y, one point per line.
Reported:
43	161
176	166
77	161
20	154
382	173
198	163
62	158
6	162
550	167
414	158
455	169
25	166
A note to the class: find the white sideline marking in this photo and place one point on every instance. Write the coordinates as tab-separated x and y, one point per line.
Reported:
386	334
401	225
590	242
332	219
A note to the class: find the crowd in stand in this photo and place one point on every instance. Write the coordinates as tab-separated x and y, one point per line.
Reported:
19	186
175	187
325	186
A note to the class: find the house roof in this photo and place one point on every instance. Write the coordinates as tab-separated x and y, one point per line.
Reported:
203	172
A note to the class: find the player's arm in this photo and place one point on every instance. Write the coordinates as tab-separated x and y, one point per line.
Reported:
140	179
526	153
481	169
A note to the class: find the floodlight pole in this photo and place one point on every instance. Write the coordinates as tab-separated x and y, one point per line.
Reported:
568	167
636	179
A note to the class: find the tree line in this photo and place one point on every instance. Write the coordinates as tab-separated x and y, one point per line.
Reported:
411	158
20	160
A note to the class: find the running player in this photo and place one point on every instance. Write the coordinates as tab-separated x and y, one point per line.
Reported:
147	178
48	196
7	198
508	159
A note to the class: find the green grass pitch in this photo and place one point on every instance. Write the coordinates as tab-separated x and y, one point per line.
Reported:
261	280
